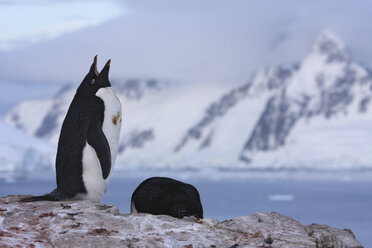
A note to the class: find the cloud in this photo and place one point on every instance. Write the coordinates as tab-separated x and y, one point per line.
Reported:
195	41
44	20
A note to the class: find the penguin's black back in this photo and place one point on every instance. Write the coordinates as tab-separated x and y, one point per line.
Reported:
83	123
83	112
162	195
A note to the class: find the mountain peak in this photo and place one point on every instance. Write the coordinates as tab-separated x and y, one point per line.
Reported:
329	45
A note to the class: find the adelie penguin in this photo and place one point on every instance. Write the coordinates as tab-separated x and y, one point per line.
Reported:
88	142
162	195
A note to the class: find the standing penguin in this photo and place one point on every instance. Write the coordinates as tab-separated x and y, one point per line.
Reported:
163	195
88	142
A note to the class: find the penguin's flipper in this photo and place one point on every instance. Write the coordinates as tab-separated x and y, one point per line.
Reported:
97	139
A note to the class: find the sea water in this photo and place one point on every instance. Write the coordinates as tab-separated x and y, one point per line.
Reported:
335	203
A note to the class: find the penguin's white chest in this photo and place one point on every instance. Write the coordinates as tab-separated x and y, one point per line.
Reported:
92	172
112	120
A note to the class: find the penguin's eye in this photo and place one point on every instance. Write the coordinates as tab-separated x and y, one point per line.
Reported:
93	81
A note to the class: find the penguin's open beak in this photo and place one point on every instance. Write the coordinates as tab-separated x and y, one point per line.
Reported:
95	65
105	71
108	63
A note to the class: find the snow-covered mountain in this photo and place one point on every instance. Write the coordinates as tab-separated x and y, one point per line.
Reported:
21	154
313	114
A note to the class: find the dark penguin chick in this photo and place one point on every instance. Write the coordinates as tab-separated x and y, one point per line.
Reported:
88	142
162	195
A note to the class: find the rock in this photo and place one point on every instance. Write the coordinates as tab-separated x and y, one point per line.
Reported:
89	224
327	236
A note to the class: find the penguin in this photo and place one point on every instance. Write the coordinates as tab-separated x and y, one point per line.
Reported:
88	142
163	195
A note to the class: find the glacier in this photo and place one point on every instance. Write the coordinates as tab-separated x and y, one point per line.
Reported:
311	115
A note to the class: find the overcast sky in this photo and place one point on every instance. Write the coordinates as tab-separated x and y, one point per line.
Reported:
193	41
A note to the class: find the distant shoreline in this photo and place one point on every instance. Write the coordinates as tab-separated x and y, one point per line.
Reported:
213	174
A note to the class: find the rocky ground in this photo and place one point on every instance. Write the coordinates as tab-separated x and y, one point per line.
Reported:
89	224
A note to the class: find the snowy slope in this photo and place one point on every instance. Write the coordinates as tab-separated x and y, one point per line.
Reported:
33	113
313	114
323	113
21	154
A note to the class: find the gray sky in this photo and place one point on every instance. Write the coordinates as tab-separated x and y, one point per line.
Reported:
194	41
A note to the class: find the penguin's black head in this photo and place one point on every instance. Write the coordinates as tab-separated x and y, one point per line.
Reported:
94	80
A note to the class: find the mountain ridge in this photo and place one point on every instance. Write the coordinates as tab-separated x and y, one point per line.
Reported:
273	120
